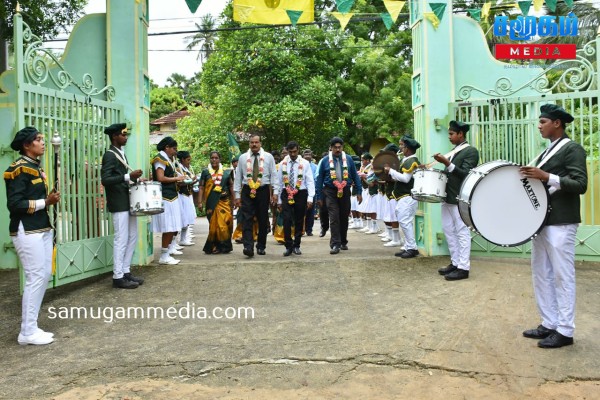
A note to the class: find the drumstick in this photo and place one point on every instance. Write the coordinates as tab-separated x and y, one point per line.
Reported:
447	155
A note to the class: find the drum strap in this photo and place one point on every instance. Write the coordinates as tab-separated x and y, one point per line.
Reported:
458	148
555	149
120	158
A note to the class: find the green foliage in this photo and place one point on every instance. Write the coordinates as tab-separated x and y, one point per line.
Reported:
164	101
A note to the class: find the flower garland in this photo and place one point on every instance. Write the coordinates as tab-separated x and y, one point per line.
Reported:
254	185
339	185
217	176
292	189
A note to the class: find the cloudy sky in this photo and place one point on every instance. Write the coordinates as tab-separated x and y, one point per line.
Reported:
169	16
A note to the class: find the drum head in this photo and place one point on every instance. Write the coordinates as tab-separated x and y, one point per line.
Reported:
506	208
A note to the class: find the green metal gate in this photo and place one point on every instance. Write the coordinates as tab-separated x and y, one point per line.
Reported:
505	128
49	98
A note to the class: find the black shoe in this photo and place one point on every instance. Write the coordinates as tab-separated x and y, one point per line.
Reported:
309	233
344	247
136	279
541	332
297	251
555	340
287	252
457	274
446	270
248	252
260	252
409	253
124	284
334	250
322	233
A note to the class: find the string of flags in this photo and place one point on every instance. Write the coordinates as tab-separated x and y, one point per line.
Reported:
285	12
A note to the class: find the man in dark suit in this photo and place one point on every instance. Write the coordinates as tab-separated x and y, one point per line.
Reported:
116	180
464	158
562	167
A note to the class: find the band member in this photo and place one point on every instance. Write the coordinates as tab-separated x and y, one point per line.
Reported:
366	220
336	174
562	167
255	175
116	180
185	192
457	234
406	206
168	222
297	193
388	215
27	199
216	192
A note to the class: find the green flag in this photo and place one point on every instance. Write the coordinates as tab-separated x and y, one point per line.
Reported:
193	5
387	20
294	16
569	3
438	9
475	13
234	148
524	6
344	6
551	4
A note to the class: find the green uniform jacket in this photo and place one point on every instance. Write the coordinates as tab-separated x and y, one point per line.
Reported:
113	179
169	190
464	161
569	163
25	183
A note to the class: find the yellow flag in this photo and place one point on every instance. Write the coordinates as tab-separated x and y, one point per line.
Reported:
272	12
485	10
343	18
435	21
537	4
394	8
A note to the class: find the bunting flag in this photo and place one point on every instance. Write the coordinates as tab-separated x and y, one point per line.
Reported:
525	6
569	3
393	8
485	10
344	6
435	21
387	20
438	9
234	148
294	16
193	5
551	4
273	12
475	13
343	18
537	4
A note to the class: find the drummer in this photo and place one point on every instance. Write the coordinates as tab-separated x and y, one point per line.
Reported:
464	157
116	180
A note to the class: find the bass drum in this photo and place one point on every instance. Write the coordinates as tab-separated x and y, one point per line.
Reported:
501	205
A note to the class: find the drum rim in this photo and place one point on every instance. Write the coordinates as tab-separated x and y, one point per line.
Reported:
474	227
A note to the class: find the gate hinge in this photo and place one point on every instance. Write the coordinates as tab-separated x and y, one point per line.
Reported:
5	150
8	246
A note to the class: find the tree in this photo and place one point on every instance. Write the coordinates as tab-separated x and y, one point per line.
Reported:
204	39
164	101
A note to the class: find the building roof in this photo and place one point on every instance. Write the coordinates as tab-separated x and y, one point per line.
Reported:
174	116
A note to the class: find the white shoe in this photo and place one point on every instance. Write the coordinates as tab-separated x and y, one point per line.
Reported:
393	244
45	333
356	226
177	247
386	239
175	253
364	230
168	261
38	338
383	234
372	231
187	243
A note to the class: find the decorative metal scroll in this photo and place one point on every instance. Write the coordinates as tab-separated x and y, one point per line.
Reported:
37	66
578	74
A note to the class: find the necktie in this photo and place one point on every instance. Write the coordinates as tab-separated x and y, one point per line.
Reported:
291	173
255	167
338	169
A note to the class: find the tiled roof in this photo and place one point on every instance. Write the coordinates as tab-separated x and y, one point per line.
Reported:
171	118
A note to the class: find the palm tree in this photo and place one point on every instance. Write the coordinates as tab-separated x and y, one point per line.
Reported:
205	38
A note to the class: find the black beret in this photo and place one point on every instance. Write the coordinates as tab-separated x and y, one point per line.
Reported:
183	154
457	126
554	112
115	129
410	143
307	151
25	135
335	140
367	156
235	159
391	147
167	141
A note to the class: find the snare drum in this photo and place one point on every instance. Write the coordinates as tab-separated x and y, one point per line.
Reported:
145	198
501	205
430	185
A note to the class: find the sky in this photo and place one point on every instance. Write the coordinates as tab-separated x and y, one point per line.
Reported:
168	16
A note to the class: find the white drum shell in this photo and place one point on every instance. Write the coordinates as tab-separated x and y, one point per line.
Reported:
429	185
501	205
145	198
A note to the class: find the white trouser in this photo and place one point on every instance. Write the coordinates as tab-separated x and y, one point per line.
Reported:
457	235
35	252
553	271
125	239
406	208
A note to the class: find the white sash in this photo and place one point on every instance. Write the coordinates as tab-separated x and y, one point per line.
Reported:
552	152
120	158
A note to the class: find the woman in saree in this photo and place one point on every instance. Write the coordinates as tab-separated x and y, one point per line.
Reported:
216	194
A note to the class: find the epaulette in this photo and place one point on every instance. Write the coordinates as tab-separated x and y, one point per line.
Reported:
411	168
9	175
159	160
